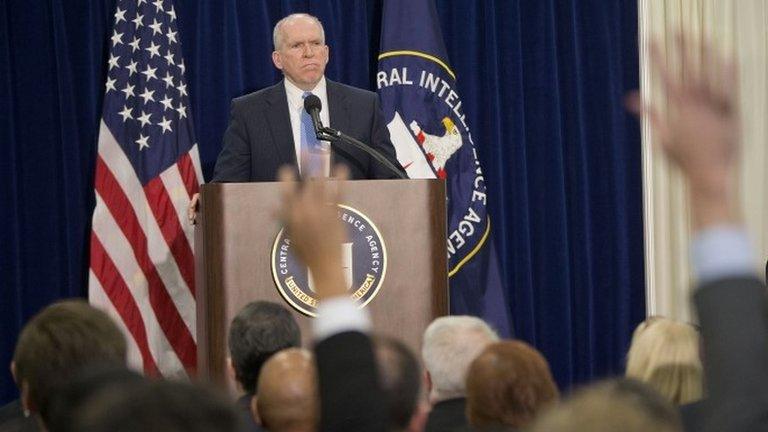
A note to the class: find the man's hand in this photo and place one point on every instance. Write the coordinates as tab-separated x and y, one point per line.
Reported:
192	209
700	133
310	216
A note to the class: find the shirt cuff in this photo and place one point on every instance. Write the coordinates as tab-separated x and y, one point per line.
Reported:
720	252
338	315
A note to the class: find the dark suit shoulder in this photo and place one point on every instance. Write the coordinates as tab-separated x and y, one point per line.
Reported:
258	98
12	419
448	416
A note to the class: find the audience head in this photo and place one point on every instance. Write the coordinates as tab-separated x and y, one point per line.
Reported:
62	339
620	405
257	332
665	355
158	406
287	398
400	380
508	384
450	344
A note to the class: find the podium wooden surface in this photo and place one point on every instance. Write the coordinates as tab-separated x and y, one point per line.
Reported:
233	250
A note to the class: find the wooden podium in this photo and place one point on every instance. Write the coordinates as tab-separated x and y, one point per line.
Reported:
236	235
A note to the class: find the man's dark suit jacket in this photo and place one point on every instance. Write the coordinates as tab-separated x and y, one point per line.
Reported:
259	139
351	398
448	415
733	314
693	414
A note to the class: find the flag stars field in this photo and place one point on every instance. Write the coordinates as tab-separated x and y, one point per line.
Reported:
144	65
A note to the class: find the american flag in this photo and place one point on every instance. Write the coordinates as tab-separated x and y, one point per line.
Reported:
147	169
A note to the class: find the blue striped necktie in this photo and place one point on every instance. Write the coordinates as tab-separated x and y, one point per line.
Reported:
312	153
309	140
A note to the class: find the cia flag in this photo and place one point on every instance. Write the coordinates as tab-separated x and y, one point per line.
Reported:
429	129
147	169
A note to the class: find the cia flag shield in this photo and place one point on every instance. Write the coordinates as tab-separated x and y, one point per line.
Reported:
429	130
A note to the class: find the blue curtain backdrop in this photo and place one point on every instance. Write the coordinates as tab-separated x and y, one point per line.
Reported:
542	82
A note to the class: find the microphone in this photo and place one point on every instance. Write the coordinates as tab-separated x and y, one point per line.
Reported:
313	106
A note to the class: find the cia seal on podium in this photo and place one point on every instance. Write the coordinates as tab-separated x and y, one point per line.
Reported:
364	263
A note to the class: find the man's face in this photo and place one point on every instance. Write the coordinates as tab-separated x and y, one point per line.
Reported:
301	54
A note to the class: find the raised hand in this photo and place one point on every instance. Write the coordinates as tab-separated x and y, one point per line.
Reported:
700	131
309	213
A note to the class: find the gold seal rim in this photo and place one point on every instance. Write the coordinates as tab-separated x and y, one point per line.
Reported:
282	290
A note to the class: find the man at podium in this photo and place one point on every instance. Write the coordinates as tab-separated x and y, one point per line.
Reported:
270	128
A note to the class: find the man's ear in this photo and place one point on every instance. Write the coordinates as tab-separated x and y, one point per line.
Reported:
277	60
26	399
428	381
231	374
255	410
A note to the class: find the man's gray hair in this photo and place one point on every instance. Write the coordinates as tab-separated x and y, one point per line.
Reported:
450	345
277	38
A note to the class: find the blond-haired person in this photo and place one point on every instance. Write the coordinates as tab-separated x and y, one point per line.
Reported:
665	355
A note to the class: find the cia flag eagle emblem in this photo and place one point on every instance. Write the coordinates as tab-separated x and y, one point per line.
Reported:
364	263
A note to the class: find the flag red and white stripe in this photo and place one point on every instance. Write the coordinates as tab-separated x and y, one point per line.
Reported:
147	170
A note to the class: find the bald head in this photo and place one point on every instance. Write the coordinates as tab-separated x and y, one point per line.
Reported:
287	392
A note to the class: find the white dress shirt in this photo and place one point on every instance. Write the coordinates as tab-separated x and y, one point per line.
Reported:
338	315
296	107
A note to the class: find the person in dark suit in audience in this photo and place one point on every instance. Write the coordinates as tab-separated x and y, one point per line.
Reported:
449	346
700	135
259	330
56	344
